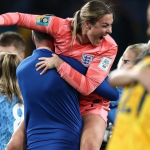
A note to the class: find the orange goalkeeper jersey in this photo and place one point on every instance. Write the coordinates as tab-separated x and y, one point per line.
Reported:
98	59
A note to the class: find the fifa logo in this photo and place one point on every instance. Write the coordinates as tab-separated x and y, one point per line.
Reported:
42	20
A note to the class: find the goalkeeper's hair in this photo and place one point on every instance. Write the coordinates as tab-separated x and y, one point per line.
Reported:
91	12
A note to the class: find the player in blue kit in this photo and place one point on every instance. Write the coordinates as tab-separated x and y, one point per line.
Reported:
52	114
11	107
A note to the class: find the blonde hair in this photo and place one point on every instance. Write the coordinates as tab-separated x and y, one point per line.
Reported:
144	53
139	48
90	12
8	79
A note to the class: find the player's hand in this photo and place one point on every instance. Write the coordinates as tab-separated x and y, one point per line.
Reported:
14	144
49	63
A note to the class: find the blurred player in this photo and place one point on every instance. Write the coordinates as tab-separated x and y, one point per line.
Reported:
132	125
126	61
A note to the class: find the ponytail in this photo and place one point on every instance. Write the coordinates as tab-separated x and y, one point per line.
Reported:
75	25
8	83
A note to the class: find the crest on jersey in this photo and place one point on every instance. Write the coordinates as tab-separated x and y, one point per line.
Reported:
42	20
86	59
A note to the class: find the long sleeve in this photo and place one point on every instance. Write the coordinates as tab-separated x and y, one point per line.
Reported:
104	90
19	19
97	72
41	23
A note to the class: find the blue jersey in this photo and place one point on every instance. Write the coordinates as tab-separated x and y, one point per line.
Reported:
10	117
52	115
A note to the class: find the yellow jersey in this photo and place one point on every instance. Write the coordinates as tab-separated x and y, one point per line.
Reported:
132	126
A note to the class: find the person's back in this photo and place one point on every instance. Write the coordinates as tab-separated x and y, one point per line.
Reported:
11	107
52	115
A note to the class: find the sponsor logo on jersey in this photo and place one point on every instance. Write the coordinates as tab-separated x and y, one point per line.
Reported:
86	59
42	20
105	63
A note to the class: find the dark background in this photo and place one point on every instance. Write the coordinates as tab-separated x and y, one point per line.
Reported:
129	26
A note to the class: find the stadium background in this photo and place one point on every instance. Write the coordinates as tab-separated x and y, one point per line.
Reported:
129	26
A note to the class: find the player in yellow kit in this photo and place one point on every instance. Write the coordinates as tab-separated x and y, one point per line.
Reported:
132	126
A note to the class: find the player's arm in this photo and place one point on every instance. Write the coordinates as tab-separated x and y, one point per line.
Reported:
85	84
121	77
143	78
124	77
18	139
42	23
104	89
96	73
